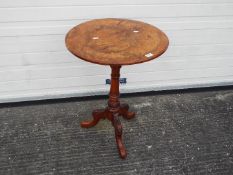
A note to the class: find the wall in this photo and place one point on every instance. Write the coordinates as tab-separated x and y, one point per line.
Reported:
34	63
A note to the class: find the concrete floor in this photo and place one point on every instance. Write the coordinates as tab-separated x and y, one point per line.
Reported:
173	133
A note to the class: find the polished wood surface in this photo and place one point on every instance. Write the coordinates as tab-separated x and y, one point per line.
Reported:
116	41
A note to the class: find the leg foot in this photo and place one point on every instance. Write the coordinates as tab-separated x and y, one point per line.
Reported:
124	111
97	115
118	134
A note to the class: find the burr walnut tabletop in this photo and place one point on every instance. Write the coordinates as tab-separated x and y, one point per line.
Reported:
115	42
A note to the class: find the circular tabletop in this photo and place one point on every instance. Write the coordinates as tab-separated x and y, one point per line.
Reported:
116	41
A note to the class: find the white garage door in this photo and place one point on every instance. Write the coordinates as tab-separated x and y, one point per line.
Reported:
34	63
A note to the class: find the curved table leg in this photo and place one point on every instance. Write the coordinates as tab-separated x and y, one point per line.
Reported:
124	111
118	134
97	115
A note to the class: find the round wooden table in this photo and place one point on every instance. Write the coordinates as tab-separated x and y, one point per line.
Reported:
115	42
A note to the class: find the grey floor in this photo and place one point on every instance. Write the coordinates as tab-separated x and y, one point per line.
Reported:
173	133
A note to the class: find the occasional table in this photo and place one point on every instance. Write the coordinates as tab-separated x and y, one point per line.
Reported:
115	42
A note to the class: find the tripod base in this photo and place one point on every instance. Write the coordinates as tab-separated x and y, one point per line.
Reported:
113	116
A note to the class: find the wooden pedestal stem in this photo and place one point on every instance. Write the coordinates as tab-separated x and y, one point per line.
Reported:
113	102
113	111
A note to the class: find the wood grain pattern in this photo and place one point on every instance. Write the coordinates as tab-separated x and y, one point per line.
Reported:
116	41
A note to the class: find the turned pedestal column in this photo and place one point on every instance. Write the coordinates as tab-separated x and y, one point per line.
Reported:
113	111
